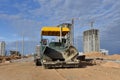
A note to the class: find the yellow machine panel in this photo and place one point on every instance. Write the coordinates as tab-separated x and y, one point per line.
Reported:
54	31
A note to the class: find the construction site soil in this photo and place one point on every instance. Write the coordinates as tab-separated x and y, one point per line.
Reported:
27	70
100	55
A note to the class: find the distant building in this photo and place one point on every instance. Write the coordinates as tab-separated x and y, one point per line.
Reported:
91	41
2	48
38	50
80	53
104	51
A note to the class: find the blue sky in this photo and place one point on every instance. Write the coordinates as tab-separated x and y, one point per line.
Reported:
28	16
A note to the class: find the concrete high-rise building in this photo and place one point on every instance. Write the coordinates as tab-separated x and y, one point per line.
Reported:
2	48
91	41
38	50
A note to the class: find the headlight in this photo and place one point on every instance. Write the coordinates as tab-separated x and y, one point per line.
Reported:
44	60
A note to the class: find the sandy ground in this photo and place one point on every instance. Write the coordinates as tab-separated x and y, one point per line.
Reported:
100	55
28	71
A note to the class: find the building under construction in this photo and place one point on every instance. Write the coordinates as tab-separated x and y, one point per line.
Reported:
2	48
91	41
37	50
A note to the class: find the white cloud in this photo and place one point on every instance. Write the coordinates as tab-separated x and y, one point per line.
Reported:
2	38
18	22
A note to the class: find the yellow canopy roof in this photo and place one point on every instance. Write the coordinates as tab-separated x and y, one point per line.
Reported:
54	31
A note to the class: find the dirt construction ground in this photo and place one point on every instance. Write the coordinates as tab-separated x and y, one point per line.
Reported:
28	71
